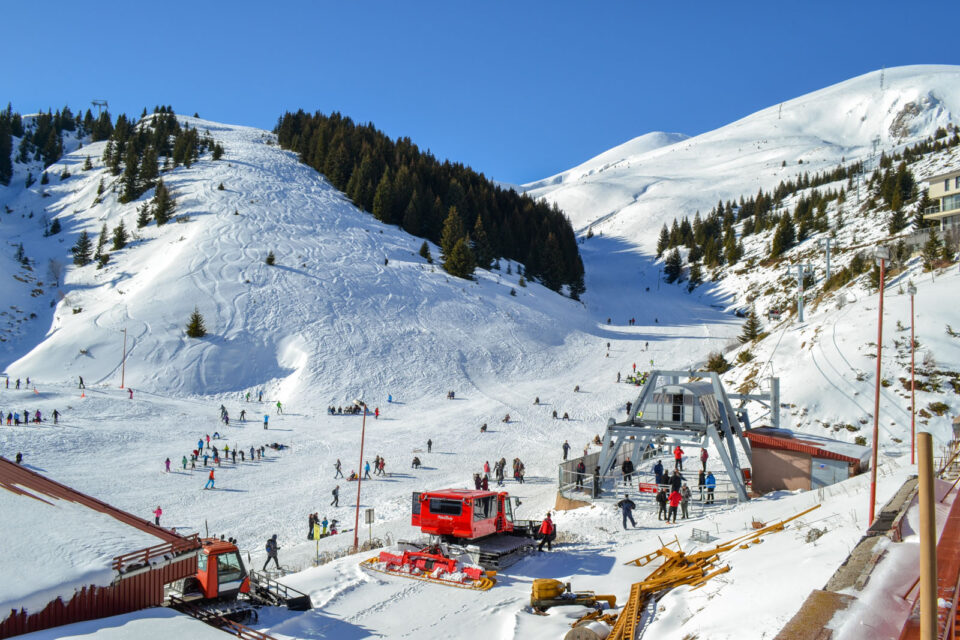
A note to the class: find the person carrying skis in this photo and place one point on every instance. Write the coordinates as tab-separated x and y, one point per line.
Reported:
210	479
272	549
156	515
547	533
339	473
336	496
627	506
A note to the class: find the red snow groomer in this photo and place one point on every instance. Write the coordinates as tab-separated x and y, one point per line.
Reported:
474	536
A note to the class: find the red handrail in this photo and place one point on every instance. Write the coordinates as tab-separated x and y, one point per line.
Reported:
142	557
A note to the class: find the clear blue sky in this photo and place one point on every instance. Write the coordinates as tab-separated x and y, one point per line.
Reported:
518	90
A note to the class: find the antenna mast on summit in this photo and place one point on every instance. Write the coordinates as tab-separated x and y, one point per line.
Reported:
883	70
99	104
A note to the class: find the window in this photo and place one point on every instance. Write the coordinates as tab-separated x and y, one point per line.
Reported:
956	182
416	503
443	507
507	509
951	202
946	184
229	567
678	407
483	508
201	562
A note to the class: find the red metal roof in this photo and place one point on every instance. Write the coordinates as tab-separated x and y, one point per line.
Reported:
768	441
15	478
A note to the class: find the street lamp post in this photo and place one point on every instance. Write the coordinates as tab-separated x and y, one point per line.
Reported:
882	254
363	432
123	362
912	290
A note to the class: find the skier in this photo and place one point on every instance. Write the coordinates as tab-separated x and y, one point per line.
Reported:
210	479
376	413
167	465
266	419
130	391
389	398
157	513
279	407
629	406
366	470
325	525
566	448
336	496
248	396
243	414
272	550
184	463
618	376
19	457
56	416
429	446
200	445
547	533
260	396
703	457
82	386
627	506
339	473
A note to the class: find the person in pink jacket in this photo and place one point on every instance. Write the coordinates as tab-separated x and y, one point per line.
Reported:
156	515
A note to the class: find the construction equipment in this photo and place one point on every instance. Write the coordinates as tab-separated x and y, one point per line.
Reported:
223	588
678	569
547	593
474	536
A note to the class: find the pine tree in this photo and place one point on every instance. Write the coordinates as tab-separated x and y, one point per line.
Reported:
6	148
101	242
696	277
460	262
163	204
783	238
751	328
425	252
81	250
481	245
54	227
663	242
897	221
44	178
673	267
149	170
383	198
143	215
128	183
196	327
411	215
932	249
453	232
87	165
119	237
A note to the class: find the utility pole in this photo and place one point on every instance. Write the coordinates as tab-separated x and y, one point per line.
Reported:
882	254
912	290
99	104
123	362
363	432
802	270
820	244
928	539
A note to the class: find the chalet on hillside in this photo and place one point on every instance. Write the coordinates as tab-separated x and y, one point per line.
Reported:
68	557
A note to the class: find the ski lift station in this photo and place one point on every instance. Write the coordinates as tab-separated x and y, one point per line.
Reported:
690	409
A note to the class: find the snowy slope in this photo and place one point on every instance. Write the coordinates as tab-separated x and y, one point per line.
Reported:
632	195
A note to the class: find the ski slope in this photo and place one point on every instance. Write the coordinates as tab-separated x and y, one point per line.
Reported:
350	311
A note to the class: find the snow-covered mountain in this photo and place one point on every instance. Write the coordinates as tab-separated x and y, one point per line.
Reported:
631	192
350	309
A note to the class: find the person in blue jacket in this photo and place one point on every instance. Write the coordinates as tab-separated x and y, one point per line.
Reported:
658	472
711	484
627	506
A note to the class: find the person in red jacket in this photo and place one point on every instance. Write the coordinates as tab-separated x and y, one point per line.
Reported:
678	458
210	484
703	457
675	499
547	533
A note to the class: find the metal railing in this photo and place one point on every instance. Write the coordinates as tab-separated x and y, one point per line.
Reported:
142	557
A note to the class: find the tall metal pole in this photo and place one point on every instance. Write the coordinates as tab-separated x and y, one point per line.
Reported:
912	290
123	363
882	255
363	433
928	540
828	258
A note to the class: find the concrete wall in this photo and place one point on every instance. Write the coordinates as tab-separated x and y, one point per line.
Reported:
774	470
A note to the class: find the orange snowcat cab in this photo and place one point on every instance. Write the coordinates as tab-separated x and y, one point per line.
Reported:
220	571
464	514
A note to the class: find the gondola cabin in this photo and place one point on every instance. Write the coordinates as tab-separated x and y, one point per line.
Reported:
462	513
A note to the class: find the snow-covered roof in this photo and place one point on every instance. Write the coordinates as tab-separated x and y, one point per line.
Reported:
817	446
56	540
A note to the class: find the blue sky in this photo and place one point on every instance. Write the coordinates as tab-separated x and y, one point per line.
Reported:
518	90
